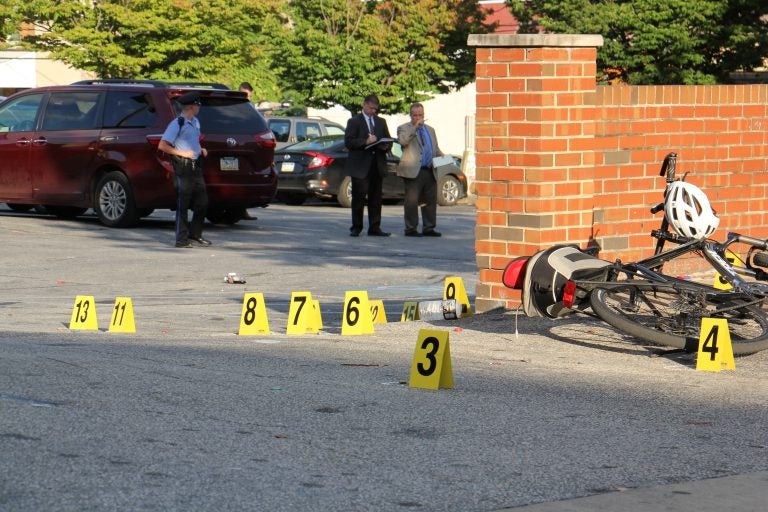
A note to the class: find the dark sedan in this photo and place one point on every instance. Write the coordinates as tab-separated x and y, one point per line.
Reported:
315	168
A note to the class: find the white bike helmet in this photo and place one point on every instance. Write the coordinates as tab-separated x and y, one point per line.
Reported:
688	211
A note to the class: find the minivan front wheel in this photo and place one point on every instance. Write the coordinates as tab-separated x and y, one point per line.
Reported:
114	201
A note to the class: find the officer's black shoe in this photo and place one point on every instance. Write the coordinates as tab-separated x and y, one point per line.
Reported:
202	241
185	244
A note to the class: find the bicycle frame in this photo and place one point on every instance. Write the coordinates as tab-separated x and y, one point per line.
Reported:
647	273
712	251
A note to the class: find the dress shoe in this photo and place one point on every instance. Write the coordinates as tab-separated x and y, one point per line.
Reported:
378	233
184	244
432	232
200	240
354	232
413	233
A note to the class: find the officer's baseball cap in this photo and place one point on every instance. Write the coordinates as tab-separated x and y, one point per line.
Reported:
190	98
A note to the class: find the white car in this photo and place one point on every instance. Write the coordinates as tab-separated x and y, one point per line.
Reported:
290	130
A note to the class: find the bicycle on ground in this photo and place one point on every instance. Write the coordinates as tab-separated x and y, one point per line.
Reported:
637	298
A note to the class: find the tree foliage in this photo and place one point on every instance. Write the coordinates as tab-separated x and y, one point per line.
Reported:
660	41
325	51
339	51
202	40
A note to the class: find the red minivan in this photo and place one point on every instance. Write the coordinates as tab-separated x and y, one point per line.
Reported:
93	144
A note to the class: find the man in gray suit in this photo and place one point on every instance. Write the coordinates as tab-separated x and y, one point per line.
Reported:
419	144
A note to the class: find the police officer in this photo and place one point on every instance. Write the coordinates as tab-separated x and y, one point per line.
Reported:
181	140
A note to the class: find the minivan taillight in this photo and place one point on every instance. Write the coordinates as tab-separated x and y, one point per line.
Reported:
266	140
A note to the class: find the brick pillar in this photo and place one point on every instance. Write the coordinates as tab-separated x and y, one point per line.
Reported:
534	145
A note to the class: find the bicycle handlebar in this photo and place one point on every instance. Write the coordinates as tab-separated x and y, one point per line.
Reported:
668	167
749	240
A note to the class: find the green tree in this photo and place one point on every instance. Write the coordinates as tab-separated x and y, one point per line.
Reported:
202	40
660	41
338	51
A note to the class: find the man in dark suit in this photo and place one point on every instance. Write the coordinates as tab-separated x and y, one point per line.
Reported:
367	167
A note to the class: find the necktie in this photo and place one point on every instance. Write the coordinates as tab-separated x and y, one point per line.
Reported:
370	125
426	148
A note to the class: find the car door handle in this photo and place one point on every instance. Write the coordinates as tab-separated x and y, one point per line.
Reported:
40	142
22	142
108	138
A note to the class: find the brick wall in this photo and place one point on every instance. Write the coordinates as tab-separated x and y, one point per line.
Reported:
559	159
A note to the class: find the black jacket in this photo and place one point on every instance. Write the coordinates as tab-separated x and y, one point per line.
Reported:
361	160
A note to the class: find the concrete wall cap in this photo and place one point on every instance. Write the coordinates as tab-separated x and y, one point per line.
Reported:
536	40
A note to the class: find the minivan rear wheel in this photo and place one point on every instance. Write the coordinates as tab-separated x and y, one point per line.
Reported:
114	201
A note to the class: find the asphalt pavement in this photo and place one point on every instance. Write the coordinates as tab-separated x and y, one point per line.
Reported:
187	414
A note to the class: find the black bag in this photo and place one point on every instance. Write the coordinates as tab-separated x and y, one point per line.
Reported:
546	274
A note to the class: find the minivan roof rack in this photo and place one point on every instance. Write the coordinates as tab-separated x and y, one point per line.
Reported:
153	83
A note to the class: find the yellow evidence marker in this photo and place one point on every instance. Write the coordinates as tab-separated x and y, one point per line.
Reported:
410	312
122	316
720	283
357	314
431	368
84	314
378	314
253	318
454	290
715	348
302	318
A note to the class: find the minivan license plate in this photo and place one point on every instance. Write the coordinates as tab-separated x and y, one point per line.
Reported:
229	163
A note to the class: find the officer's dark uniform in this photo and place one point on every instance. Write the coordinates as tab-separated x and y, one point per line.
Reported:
184	134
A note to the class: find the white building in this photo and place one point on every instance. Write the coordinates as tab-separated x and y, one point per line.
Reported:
22	69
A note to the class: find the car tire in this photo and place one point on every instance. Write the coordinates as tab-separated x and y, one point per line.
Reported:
145	212
448	190
20	207
344	195
223	216
113	201
65	212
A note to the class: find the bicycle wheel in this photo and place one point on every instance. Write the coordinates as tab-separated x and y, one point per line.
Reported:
671	316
